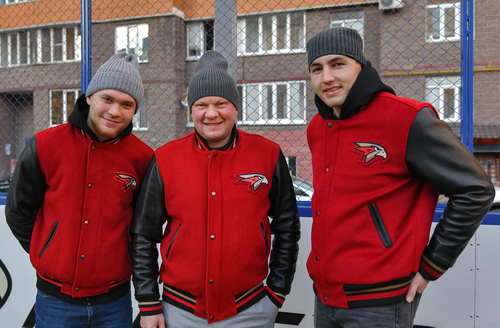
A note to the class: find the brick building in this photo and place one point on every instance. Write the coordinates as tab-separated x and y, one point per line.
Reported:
414	44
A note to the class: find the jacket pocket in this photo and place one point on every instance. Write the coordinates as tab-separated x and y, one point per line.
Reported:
173	239
127	238
265	238
51	236
380	226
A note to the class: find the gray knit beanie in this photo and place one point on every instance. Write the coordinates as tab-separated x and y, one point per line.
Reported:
120	72
336	41
212	79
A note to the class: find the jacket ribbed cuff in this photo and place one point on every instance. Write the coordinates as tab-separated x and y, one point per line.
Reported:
277	298
430	270
150	308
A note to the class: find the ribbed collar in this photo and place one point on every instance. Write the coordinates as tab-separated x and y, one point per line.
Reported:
233	140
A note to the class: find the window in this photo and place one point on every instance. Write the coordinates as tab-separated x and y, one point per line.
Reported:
133	39
15	1
274	103
271	34
200	38
350	19
444	94
62	103
58	44
442	21
41	46
140	120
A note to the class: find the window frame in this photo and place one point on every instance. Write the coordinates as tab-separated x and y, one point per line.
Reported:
142	115
442	84
262	110
128	49
442	23
64	102
242	35
206	39
35	53
348	22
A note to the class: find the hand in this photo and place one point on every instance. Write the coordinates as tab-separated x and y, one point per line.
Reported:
276	309
417	284
153	321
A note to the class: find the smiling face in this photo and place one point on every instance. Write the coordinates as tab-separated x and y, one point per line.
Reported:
214	119
332	77
111	111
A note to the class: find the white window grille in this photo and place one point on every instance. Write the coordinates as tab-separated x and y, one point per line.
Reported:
274	103
444	94
280	33
133	39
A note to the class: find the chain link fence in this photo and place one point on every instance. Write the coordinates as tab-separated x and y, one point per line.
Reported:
414	44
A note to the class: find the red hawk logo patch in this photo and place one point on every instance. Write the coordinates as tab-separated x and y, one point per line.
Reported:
254	180
370	151
128	181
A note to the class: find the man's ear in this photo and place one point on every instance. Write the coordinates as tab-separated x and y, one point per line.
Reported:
89	98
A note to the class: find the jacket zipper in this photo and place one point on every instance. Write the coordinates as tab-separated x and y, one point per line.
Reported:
173	239
51	235
380	226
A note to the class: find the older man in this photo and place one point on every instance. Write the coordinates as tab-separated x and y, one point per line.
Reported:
216	188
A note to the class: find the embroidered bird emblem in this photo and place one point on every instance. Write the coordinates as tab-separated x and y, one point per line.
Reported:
255	180
370	151
127	181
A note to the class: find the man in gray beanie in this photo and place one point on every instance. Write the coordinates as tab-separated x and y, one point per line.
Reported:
379	163
216	188
71	200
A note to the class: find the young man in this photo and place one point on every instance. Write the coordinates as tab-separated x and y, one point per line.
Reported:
379	164
216	188
71	198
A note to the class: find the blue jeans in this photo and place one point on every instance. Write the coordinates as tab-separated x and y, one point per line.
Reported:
51	312
399	315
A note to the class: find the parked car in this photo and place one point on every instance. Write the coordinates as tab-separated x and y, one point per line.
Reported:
303	189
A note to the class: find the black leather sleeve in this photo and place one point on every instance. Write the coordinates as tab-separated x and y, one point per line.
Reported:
436	155
25	195
146	232
285	226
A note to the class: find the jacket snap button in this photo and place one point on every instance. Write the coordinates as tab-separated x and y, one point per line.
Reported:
90	185
326	299
213	193
86	222
93	147
212	237
76	289
317	258
326	170
211	318
317	213
82	257
330	124
211	281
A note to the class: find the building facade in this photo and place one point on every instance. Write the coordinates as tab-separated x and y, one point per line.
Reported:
414	44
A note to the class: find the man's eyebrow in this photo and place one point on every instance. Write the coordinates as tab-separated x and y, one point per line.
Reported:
335	59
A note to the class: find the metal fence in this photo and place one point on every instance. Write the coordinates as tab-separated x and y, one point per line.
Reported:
49	50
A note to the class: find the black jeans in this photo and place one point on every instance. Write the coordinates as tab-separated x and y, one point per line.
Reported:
399	315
